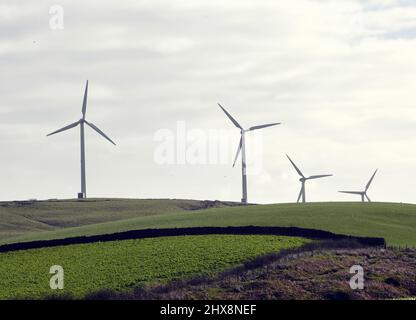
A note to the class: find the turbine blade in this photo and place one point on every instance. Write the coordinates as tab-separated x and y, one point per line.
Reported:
238	150
369	200
264	126
296	168
300	193
371	180
99	131
319	176
72	125
84	103
231	118
352	192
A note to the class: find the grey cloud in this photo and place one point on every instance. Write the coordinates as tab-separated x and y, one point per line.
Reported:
153	63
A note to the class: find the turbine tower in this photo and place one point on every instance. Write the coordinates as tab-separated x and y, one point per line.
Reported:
363	194
242	148
303	179
81	123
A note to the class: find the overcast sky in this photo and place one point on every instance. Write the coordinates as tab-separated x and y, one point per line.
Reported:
339	75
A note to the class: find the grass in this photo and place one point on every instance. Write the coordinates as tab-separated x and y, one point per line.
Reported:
17	219
393	221
124	265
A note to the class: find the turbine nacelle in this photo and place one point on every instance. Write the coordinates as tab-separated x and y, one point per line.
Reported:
241	148
303	179
363	194
81	123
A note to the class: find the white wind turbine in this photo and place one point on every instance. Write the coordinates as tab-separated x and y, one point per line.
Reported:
242	148
303	179
362	193
81	123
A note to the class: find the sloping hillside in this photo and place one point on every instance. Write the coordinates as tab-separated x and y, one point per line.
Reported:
392	221
25	217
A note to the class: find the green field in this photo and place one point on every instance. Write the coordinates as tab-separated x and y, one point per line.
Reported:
124	265
393	221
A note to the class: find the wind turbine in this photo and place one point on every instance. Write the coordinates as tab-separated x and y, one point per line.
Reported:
242	148
363	193
81	123
303	179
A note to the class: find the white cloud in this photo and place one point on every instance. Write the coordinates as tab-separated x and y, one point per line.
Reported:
338	74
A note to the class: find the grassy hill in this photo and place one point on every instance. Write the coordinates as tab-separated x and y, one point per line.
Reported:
23	217
395	222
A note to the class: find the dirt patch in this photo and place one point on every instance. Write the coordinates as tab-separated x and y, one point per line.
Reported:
208	204
317	275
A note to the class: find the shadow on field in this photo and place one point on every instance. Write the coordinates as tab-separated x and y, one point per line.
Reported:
156	233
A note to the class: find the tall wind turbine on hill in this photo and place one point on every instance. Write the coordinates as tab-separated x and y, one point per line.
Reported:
81	123
363	194
303	179
242	148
